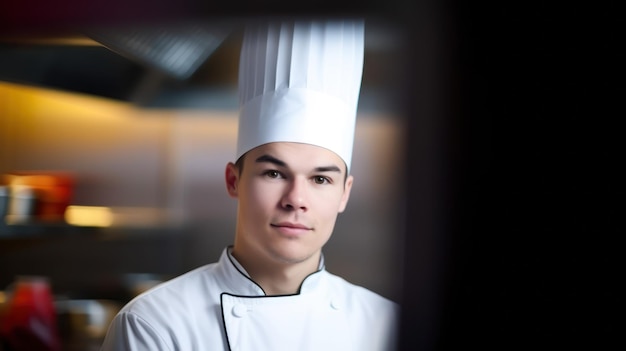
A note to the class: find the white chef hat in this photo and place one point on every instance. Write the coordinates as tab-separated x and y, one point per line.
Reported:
299	81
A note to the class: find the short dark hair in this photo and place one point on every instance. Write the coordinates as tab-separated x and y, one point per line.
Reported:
239	164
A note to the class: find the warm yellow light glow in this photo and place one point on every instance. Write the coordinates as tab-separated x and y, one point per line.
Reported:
91	216
73	40
38	101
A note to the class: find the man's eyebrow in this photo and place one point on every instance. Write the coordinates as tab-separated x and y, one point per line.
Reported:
270	159
280	163
328	169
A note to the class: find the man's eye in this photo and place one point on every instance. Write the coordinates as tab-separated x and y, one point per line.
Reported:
272	174
320	180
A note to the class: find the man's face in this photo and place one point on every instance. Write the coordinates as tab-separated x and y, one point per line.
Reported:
289	197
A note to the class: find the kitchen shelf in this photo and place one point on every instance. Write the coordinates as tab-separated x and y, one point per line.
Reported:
33	229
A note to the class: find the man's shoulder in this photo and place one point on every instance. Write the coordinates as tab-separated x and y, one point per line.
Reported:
174	312
183	291
357	294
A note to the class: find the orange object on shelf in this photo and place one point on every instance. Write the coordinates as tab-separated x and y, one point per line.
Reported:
53	191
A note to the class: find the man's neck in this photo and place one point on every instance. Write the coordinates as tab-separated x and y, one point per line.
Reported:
278	278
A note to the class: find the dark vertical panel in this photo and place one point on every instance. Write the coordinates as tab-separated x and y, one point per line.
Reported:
527	253
432	137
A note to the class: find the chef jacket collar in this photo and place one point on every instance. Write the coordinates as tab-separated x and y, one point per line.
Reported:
240	282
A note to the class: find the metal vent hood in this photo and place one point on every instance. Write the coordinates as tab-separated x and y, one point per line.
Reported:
138	64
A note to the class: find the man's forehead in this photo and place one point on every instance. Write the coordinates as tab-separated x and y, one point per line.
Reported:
290	154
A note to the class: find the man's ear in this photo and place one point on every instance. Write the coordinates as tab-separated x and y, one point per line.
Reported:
346	194
232	177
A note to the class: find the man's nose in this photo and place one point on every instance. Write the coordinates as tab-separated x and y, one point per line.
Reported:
295	196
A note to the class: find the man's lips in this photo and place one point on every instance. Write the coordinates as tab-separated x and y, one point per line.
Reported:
291	228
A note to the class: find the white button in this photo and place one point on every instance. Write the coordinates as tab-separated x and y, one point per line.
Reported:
334	304
240	310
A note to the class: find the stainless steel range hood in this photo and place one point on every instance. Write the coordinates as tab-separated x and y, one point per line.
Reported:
129	63
177	50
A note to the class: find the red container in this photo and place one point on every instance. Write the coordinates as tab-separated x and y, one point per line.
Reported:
29	322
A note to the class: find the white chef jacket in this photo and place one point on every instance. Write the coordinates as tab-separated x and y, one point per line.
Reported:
219	307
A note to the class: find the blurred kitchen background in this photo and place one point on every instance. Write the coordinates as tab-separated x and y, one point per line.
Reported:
113	143
496	223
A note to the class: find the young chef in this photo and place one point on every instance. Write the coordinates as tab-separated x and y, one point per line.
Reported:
299	84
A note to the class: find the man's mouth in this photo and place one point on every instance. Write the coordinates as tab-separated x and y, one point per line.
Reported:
290	228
